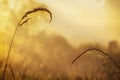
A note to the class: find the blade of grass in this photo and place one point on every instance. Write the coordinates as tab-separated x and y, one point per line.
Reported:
104	55
12	72
20	23
23	76
103	70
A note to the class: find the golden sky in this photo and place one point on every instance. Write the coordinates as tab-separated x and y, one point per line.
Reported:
74	22
77	20
85	20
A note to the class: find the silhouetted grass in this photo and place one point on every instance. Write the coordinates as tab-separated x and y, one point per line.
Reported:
20	23
23	74
103	70
12	72
104	55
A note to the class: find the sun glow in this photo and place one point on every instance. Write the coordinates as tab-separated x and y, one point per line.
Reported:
75	16
79	17
43	50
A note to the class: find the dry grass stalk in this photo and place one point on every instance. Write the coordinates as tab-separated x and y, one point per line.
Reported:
22	75
20	23
103	71
12	72
104	55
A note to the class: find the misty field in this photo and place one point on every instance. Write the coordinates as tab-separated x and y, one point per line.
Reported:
31	51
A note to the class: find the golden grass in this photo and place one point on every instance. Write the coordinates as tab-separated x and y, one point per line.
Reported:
20	23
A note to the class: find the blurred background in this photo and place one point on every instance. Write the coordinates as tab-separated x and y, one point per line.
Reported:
44	51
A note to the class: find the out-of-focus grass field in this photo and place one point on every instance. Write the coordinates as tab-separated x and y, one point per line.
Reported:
42	54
